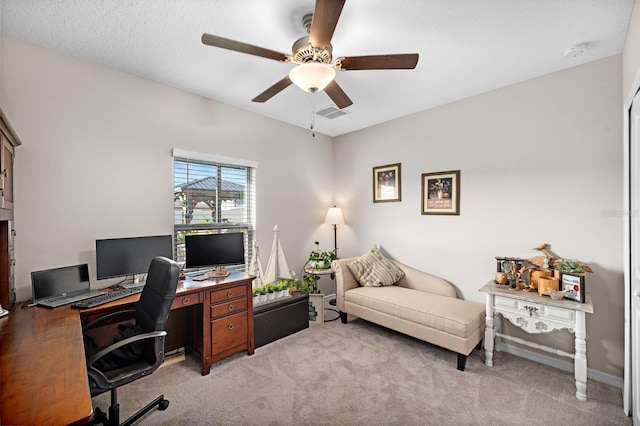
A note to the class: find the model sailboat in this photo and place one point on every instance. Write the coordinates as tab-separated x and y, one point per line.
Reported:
277	267
255	267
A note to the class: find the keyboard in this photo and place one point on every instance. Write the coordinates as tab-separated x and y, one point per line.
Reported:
106	298
65	299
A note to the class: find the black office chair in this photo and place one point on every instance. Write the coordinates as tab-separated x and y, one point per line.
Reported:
138	349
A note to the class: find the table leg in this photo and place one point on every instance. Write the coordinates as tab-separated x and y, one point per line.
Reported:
581	357
489	332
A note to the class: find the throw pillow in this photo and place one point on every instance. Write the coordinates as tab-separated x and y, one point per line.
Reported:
372	269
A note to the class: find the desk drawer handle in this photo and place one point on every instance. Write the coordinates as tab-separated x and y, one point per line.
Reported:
230	326
231	307
185	301
531	309
230	294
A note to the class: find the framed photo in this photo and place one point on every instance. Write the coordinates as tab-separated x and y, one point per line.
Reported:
386	183
441	193
316	308
575	285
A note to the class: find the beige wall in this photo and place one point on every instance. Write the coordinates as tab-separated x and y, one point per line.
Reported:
631	55
96	160
540	161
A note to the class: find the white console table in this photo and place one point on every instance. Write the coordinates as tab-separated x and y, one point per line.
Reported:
536	314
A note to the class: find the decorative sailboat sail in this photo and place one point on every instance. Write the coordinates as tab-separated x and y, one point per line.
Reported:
277	267
255	267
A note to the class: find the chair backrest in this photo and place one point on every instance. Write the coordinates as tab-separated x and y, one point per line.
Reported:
158	294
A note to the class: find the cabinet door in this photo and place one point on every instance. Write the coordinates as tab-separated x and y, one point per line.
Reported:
6	174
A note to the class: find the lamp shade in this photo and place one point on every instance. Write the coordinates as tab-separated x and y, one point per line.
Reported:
312	76
334	216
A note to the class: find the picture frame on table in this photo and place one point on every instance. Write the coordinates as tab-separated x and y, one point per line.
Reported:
441	193
316	308
387	183
575	284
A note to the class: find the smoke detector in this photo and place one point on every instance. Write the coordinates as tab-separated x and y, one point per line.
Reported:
575	51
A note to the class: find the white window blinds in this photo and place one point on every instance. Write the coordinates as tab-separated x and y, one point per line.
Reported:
213	195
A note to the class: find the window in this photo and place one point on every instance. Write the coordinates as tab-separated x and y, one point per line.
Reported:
213	195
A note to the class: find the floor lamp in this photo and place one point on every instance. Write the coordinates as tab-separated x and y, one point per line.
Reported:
334	217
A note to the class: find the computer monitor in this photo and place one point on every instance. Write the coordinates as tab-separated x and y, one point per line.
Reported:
120	257
57	281
207	250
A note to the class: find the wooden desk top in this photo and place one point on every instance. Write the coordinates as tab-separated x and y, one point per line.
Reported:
185	287
43	375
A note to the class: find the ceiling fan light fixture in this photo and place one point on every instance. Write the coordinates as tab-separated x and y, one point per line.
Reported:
312	76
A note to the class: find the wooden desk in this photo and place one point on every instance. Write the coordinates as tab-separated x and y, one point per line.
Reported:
536	314
214	317
43	374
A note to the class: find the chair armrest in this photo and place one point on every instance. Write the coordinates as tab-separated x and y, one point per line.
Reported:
344	279
97	321
124	342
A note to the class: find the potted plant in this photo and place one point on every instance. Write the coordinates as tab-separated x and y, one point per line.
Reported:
271	291
255	292
282	288
319	259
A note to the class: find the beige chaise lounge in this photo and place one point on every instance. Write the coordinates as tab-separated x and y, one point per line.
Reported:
420	305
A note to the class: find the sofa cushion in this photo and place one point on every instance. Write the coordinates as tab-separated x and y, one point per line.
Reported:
372	269
447	314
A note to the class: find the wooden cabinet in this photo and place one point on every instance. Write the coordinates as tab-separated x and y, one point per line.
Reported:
6	174
231	320
8	141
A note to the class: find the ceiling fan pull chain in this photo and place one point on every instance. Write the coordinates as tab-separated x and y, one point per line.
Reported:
313	113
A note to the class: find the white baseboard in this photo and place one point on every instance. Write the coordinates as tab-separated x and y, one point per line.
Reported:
597	375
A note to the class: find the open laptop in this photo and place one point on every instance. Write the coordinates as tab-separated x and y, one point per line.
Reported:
61	286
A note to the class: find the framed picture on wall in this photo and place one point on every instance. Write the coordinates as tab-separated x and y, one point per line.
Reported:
316	308
386	183
441	193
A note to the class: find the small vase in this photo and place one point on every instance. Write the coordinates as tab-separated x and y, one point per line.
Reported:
278	294
256	299
271	296
285	292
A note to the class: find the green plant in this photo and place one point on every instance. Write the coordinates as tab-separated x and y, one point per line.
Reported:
569	266
308	284
322	258
255	291
285	284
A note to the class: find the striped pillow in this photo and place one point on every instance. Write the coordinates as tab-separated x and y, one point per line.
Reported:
372	269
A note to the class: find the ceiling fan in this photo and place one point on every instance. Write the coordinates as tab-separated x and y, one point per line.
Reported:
312	55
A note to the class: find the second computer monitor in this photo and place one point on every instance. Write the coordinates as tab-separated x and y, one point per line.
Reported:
208	250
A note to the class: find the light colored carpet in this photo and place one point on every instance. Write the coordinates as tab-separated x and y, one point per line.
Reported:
362	374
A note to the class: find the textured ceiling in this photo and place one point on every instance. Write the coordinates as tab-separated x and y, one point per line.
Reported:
466	47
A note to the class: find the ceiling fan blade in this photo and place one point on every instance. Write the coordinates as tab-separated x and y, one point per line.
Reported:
238	46
325	19
337	95
273	90
379	62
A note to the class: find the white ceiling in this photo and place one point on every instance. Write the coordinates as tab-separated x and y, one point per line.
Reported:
466	47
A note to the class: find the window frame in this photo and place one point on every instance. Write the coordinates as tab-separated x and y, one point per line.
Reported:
249	168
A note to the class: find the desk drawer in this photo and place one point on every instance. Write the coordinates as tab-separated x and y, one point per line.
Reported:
538	310
228	332
186	300
222	309
230	293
